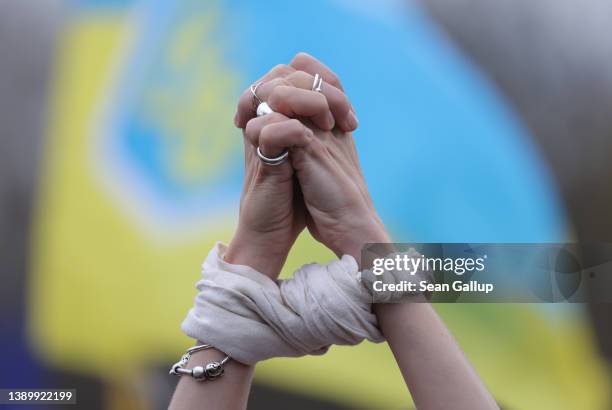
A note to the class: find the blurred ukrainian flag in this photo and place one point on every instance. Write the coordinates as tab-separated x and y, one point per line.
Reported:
143	174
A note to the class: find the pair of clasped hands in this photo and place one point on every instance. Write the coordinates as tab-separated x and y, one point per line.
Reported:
320	187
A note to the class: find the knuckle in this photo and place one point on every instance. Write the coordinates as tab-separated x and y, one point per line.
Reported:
251	130
322	102
294	123
274	97
301	76
308	133
280	70
344	104
271	138
295	126
266	135
274	117
278	97
333	78
301	58
266	88
283	82
274	83
252	125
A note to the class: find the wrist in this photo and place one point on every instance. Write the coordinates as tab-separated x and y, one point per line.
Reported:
257	251
351	241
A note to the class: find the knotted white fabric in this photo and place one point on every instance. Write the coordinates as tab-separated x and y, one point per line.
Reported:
395	277
251	318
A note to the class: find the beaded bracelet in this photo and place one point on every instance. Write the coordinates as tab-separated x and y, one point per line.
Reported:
211	371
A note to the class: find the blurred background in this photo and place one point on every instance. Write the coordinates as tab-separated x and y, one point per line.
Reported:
480	121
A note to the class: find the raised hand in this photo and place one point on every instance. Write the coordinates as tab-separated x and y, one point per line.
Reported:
272	212
340	213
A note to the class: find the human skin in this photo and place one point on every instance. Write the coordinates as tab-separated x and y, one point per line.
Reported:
272	214
322	187
272	211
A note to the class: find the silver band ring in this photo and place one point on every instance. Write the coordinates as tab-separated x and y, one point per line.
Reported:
273	161
253	89
261	107
317	83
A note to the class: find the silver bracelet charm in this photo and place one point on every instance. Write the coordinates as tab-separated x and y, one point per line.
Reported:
211	371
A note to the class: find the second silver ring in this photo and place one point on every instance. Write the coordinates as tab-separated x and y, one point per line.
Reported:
317	83
273	161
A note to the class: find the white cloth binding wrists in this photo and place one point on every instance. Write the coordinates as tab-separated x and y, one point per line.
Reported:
249	317
395	277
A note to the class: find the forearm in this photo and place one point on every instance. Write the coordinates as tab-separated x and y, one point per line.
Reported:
231	391
432	363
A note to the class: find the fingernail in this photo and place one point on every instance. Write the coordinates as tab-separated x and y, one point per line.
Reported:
352	120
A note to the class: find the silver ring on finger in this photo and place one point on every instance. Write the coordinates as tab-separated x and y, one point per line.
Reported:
317	83
273	161
253	88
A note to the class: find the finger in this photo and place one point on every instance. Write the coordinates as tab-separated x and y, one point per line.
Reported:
305	62
247	104
279	136
338	102
297	102
253	128
279	70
